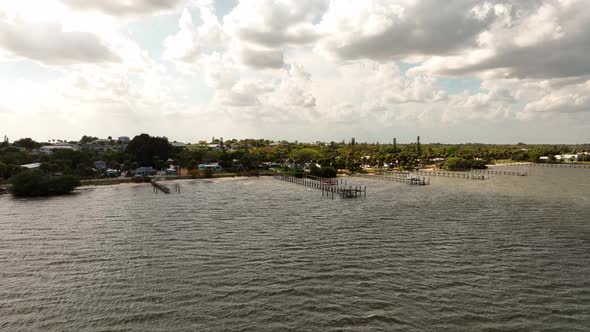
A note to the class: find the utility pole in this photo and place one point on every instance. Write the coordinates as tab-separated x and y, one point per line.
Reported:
418	147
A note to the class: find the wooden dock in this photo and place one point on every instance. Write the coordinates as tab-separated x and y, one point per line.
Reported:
496	172
402	177
329	186
158	186
549	165
468	175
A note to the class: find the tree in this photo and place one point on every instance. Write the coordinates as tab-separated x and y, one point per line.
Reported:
145	147
3	170
27	143
324	172
305	155
191	165
87	139
35	183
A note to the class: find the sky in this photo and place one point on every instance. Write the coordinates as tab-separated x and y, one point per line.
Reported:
454	71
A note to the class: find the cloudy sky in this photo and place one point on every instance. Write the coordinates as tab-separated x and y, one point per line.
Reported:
493	71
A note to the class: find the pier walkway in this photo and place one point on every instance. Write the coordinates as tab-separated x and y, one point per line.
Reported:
402	177
329	186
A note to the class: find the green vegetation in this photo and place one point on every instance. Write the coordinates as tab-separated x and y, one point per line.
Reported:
249	156
460	164
324	172
35	183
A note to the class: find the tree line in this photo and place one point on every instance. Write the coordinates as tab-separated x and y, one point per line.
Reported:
247	154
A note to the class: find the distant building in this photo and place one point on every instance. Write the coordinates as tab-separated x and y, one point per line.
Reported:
100	165
215	147
49	149
145	171
211	166
111	173
123	139
566	157
31	166
178	145
171	171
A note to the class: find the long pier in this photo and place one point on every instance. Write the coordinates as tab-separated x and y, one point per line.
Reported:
328	186
491	171
159	186
401	177
448	174
550	165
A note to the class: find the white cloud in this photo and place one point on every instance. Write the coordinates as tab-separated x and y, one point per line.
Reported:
49	43
125	7
190	42
542	40
566	100
387	30
308	68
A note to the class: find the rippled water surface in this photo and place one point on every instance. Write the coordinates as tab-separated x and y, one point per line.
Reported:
508	253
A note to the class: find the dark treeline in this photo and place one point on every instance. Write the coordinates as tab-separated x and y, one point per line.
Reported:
158	152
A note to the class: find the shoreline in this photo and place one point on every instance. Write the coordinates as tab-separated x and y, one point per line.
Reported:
115	181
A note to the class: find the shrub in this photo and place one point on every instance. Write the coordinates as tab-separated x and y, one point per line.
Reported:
460	164
36	183
324	172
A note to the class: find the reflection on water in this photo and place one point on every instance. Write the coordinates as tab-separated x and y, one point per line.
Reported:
509	253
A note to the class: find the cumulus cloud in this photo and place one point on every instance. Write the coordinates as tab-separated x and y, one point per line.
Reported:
49	43
273	23
541	39
255	33
566	100
125	7
382	30
190	42
260	57
308	64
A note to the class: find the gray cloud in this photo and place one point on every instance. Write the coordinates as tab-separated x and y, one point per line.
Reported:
49	44
276	22
260	58
426	27
561	58
546	39
125	7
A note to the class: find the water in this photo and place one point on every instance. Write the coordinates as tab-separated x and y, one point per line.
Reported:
510	253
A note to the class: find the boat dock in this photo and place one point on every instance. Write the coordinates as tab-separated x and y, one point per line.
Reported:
329	186
401	177
550	165
160	187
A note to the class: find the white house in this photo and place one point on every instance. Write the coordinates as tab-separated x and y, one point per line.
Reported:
31	166
211	166
566	157
178	145
49	149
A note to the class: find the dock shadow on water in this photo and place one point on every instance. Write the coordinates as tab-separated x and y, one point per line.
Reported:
508	253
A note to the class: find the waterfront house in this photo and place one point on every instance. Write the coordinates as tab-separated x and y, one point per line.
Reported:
215	147
145	171
111	173
179	145
566	157
171	171
100	165
49	149
31	166
211	166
